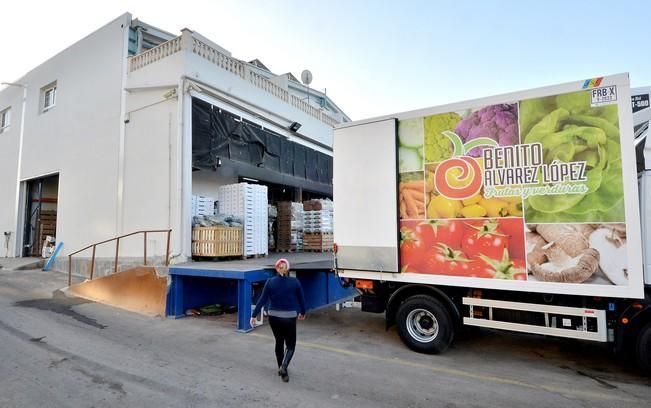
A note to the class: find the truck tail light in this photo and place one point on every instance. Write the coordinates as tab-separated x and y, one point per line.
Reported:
624	320
364	284
334	248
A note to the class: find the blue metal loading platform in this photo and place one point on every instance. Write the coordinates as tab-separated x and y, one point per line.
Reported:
195	284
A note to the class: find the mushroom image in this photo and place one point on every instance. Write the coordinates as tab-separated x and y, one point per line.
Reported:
611	241
573	253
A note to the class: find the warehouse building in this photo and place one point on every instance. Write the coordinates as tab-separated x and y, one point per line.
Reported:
119	131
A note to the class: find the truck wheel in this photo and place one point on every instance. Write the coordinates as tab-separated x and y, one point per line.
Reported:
425	325
643	349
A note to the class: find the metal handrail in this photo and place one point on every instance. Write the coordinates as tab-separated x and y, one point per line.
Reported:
117	251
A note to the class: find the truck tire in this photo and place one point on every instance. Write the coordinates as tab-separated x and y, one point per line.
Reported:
425	325
643	349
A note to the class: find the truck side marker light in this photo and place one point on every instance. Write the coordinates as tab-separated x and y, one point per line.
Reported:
363	284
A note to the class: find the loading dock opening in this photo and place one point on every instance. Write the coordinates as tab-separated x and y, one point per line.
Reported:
40	218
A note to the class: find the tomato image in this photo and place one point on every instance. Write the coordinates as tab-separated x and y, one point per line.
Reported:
480	269
409	269
506	268
488	240
519	269
412	250
440	232
443	260
514	228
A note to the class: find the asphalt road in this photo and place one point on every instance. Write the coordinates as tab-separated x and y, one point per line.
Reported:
61	352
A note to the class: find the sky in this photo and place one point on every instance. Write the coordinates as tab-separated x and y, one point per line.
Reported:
373	57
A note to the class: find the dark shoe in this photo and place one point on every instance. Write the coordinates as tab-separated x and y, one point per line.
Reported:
283	368
289	353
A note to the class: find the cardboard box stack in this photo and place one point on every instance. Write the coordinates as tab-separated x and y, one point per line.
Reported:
290	227
318	225
249	202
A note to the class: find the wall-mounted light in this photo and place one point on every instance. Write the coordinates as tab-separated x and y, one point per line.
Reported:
295	126
170	94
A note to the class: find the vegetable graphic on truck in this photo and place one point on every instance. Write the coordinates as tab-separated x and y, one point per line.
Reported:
518	212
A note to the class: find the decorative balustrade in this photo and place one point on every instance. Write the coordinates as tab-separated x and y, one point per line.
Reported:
155	54
328	120
230	64
269	86
222	60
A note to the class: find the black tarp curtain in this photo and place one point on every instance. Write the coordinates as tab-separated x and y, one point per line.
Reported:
217	134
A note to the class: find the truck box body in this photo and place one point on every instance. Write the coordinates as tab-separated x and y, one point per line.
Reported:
471	188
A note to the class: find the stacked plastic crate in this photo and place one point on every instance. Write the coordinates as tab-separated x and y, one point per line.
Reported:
290	227
318	227
248	202
202	205
260	220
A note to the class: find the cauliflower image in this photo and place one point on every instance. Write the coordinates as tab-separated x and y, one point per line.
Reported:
437	146
498	122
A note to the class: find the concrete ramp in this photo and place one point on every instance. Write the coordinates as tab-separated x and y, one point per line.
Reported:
139	290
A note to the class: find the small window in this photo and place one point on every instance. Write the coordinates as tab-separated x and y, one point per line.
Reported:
4	120
48	96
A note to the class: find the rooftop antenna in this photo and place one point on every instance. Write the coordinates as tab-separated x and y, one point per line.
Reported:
306	78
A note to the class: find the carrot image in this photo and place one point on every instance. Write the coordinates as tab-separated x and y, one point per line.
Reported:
412	199
412	185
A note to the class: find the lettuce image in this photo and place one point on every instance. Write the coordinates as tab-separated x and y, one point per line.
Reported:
570	130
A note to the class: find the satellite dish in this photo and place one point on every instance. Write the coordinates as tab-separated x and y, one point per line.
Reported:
306	77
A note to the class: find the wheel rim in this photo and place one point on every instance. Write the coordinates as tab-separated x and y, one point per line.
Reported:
422	325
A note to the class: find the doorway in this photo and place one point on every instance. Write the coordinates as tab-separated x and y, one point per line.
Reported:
42	196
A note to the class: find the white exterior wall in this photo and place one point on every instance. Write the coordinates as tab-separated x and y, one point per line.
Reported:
9	97
150	196
78	138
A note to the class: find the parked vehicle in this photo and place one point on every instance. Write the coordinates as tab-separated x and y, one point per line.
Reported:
518	212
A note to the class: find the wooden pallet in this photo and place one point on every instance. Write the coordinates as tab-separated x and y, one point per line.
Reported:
318	238
216	242
318	241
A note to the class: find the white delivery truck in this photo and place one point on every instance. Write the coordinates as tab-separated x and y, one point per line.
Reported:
518	212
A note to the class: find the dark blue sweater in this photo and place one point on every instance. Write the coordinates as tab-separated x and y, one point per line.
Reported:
282	293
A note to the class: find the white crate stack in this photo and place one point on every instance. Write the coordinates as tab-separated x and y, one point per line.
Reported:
202	205
319	220
248	202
